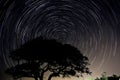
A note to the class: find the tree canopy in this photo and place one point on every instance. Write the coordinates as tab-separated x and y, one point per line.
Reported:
41	55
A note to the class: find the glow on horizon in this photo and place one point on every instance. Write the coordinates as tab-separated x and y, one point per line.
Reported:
60	78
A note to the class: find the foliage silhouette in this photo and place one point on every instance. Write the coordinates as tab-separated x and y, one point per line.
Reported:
114	77
42	55
104	77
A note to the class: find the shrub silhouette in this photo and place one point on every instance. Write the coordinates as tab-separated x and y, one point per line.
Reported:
42	55
114	77
105	77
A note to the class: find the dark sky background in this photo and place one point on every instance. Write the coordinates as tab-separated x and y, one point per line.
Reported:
93	26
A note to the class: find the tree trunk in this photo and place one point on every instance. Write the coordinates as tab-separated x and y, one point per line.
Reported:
36	78
41	76
51	75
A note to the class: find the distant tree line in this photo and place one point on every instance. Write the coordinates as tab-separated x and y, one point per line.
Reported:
104	77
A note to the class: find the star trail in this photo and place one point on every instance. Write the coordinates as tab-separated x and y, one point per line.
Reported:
93	26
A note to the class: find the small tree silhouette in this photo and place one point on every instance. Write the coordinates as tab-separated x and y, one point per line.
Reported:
39	55
105	77
114	77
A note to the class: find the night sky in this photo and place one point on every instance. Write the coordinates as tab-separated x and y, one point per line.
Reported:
93	26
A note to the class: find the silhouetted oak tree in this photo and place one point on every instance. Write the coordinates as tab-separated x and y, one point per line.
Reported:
39	55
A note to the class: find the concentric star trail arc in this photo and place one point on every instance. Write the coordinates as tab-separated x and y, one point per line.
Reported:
90	25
